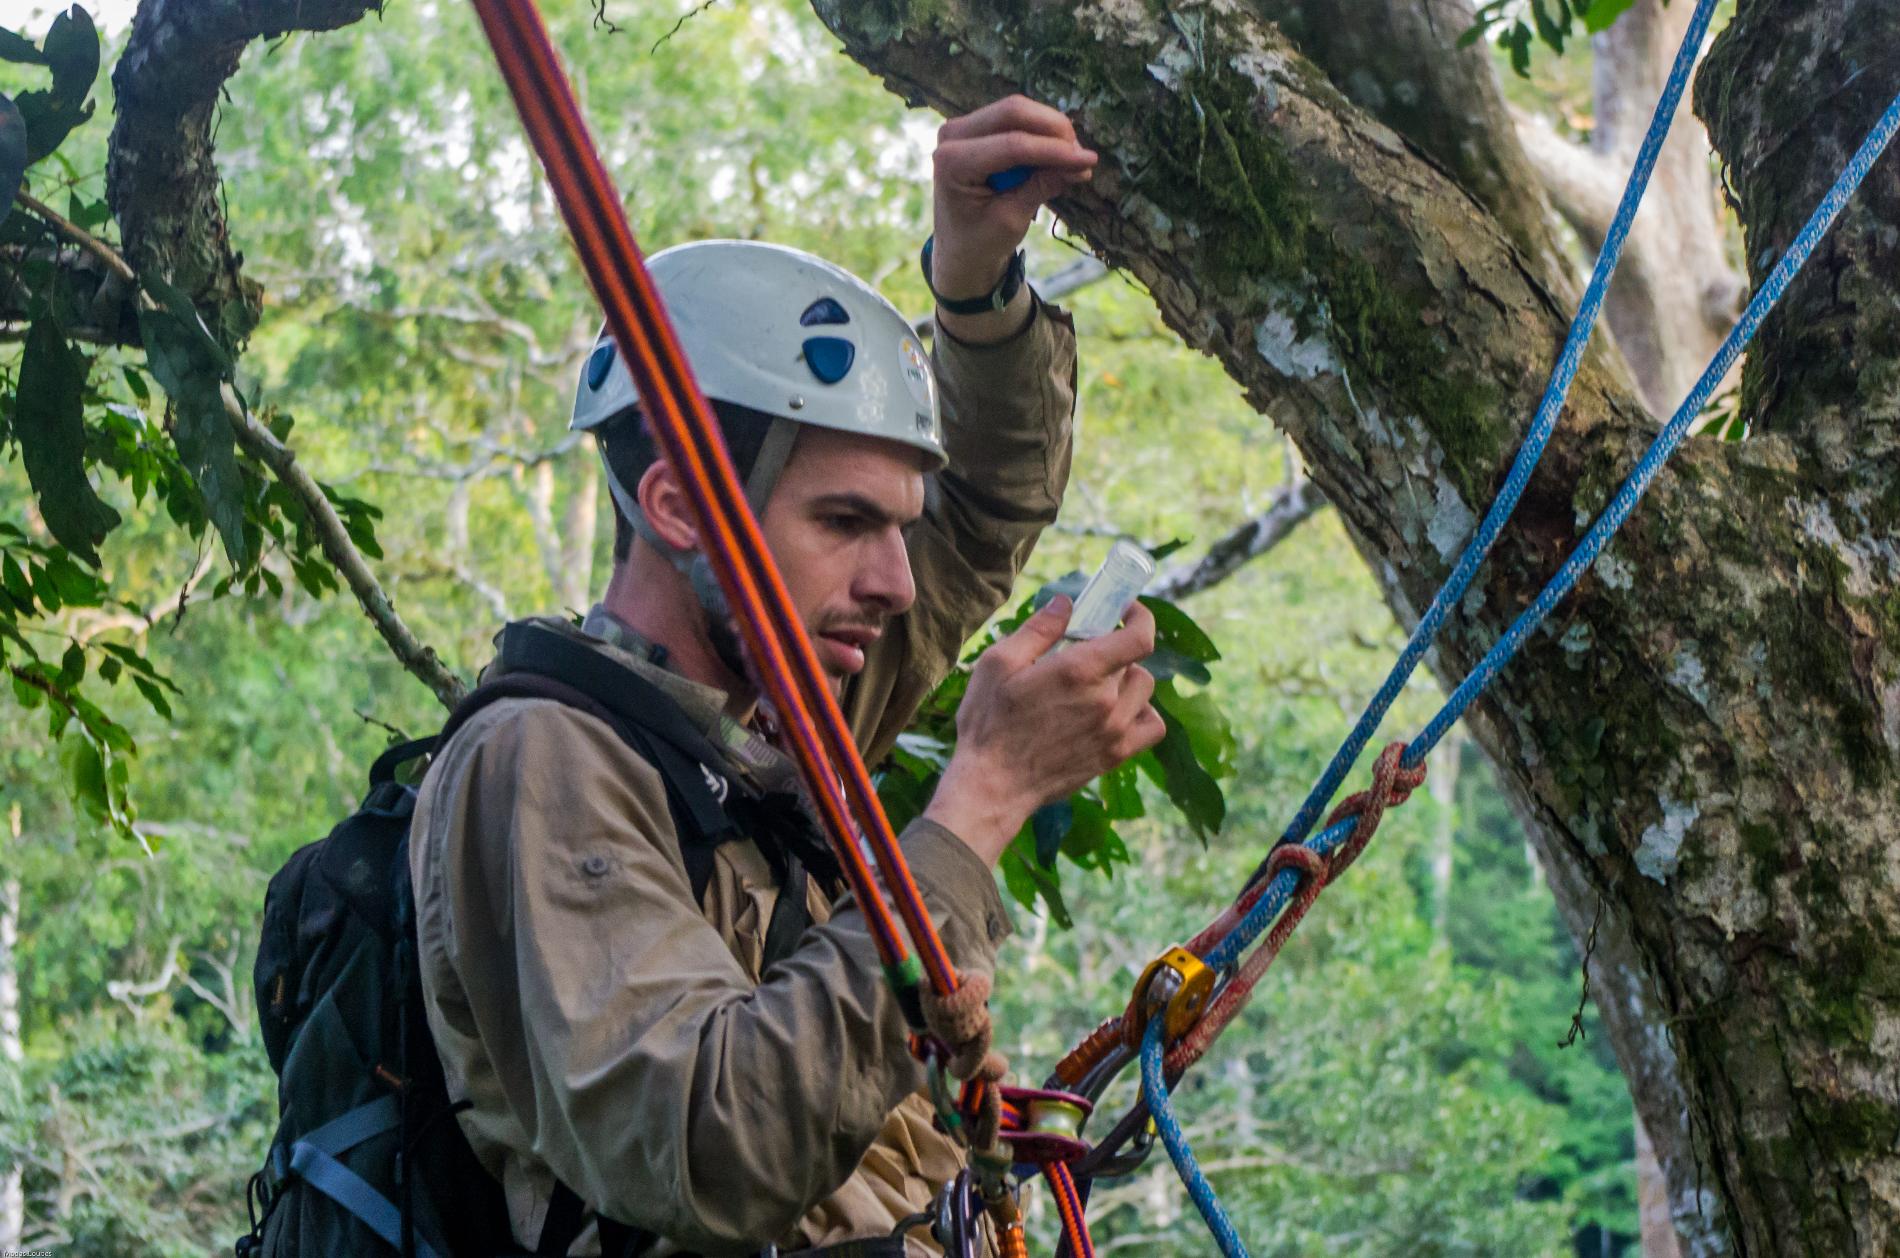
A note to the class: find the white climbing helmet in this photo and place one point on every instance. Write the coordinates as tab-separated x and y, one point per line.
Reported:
784	333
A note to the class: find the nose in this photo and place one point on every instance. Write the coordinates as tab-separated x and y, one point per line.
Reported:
884	579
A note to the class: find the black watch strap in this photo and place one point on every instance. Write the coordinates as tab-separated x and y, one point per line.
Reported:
997	298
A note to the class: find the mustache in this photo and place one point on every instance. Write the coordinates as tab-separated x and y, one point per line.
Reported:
832	624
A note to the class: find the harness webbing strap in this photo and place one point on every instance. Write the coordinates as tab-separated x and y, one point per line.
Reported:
682	422
314	1160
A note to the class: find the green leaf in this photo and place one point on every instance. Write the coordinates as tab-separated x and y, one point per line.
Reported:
48	423
1166	663
1176	631
1548	29
1091	840
13	159
190	366
109	670
1206	725
19	48
13	578
1121	793
1517	42
1175	768
1050	825
1027	883
1167	548
154	696
1599	14
72	667
85	773
178	305
72	50
135	381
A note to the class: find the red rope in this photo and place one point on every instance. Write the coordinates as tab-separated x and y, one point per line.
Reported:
1392	784
1069	1208
681	420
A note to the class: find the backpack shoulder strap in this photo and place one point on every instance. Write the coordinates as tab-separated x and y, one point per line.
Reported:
535	648
700	822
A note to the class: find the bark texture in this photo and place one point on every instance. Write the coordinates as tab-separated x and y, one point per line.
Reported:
1708	734
161	177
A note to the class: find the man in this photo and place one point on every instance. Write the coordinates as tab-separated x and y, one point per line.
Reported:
625	1042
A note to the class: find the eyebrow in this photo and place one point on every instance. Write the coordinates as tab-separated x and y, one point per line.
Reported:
860	505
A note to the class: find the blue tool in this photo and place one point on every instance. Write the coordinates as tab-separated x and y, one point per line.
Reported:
1011	179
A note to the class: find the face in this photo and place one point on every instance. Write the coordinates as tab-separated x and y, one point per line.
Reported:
835	523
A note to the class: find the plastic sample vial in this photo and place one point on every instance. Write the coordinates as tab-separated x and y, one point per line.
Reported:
1099	607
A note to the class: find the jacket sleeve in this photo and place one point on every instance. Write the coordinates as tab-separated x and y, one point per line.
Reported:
1007	411
644	1067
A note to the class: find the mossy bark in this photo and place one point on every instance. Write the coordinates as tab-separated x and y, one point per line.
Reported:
161	176
1708	732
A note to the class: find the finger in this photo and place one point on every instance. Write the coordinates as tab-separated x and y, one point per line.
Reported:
1049	184
965	164
1035	636
1112	652
1149	729
1137	687
1012	113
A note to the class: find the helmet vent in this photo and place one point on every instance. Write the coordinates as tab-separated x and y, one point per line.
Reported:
599	363
829	357
823	311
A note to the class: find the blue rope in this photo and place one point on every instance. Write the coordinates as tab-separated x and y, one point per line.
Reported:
1607	522
1154	1088
1549	410
1612	517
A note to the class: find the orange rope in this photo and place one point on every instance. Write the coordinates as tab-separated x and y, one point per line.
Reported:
687	433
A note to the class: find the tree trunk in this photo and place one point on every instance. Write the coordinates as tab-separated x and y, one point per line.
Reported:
1708	735
13	1054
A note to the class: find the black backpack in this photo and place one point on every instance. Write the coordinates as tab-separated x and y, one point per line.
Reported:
368	1158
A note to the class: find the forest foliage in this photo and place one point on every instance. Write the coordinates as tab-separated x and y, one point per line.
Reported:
193	695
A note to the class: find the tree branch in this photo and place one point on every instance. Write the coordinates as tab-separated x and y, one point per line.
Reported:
161	181
419	659
261	444
1290	508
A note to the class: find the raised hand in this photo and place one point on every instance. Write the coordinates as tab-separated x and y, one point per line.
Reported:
977	227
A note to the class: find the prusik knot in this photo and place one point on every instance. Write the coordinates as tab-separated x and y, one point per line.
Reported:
1392	785
961	1022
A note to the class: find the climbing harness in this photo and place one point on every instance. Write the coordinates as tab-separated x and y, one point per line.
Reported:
1186	997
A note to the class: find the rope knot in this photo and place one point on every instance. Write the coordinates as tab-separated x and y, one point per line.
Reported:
961	1023
1392	784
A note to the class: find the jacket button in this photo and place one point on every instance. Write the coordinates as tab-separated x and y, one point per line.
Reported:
594	866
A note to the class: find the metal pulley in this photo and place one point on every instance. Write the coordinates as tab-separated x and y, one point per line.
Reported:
1051	1129
1176	986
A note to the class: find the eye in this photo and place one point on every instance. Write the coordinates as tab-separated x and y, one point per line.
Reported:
846	522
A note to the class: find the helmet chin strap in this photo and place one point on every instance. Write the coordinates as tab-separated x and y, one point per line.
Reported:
774	454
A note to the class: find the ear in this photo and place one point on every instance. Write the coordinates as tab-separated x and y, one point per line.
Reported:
666	507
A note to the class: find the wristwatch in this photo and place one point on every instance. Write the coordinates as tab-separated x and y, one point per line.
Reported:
997	298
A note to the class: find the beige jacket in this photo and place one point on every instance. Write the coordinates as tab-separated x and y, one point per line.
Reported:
613	1034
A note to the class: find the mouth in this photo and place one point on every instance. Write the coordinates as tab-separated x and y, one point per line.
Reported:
842	648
